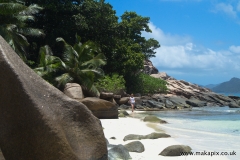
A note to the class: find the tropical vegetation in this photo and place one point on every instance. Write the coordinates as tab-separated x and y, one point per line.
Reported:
145	84
110	45
14	16
114	83
80	63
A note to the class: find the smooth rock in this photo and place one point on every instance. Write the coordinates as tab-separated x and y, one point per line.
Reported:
73	90
101	108
135	146
153	135
153	119
175	150
118	152
38	122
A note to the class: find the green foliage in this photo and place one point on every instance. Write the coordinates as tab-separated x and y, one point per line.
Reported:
49	65
14	16
145	84
80	64
96	23
114	83
131	48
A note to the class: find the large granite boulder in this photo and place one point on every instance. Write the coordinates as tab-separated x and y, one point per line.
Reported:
108	96
1	156
101	108
73	90
123	100
37	121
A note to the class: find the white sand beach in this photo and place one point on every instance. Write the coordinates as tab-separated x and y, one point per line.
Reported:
121	127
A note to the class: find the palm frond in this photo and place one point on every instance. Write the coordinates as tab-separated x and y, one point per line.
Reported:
63	79
30	10
31	32
24	18
11	8
95	90
40	71
97	71
46	50
70	56
78	39
97	61
48	62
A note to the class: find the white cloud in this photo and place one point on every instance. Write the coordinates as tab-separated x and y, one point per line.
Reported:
165	38
189	46
226	8
180	54
235	49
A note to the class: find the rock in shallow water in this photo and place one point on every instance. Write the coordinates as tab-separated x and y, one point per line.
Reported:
153	119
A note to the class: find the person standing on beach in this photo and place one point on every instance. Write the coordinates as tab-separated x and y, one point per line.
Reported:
132	101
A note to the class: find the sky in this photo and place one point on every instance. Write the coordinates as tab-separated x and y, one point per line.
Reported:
200	39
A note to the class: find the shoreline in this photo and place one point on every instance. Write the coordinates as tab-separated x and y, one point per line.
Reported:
119	128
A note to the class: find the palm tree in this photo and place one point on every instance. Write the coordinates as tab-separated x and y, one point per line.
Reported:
80	63
14	16
49	65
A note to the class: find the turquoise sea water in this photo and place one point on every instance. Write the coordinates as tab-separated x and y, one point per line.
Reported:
204	129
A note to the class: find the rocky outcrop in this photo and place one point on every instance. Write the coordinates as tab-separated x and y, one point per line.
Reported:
162	75
149	68
180	95
175	150
37	121
193	94
101	108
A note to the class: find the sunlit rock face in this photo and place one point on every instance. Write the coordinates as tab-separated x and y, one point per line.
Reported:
38	122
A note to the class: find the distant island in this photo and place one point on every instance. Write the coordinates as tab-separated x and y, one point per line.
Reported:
231	86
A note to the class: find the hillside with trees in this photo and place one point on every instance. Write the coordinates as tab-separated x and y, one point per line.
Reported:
80	41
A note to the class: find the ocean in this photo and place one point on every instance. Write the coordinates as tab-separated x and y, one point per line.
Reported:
210	129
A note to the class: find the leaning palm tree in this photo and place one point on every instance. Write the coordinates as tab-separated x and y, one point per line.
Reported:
14	16
80	63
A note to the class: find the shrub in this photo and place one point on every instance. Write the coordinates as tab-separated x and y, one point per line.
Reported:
114	83
145	84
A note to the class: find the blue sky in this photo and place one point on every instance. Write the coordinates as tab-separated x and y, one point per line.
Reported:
200	39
